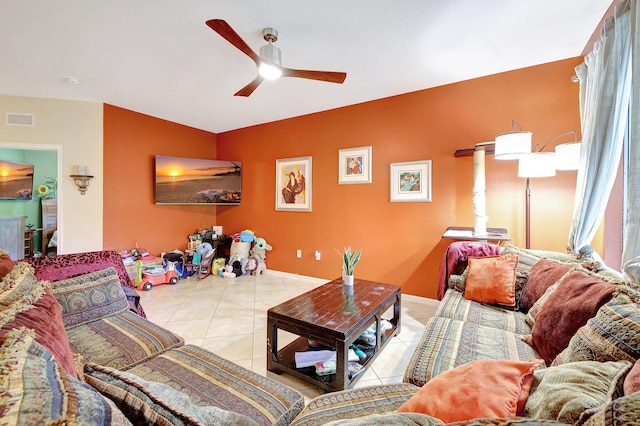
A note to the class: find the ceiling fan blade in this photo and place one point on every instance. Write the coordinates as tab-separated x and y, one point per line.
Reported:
221	27
249	88
329	76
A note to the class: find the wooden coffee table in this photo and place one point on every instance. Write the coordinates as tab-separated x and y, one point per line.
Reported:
335	316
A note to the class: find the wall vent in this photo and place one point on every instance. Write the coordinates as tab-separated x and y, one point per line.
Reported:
20	119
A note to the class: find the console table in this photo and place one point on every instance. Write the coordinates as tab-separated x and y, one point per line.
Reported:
465	233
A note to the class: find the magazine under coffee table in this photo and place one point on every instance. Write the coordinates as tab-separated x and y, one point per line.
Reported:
334	316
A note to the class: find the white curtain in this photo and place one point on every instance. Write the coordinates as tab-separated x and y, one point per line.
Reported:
631	239
605	86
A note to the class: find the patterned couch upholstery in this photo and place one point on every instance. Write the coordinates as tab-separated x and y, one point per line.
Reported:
465	331
146	371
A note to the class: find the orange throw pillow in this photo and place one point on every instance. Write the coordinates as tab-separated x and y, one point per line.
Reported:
484	388
492	279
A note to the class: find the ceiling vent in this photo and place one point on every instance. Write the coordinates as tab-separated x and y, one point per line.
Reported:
19	119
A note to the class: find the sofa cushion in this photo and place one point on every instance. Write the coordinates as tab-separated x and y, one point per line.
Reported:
526	260
27	302
483	388
530	318
211	380
578	297
36	389
542	275
145	402
447	343
122	341
356	403
632	381
395	419
455	306
415	419
64	266
619	412
90	297
6	263
567	392
458	282
492	279
613	334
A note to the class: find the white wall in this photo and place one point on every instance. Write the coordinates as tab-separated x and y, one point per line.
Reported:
75	127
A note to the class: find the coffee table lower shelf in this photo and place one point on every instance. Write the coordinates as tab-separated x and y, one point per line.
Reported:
286	363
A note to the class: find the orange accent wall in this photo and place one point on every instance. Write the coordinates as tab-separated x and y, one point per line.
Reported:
131	141
401	242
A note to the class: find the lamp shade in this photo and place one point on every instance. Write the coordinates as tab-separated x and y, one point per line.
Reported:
568	156
511	146
537	164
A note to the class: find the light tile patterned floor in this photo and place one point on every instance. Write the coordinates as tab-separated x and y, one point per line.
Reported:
229	317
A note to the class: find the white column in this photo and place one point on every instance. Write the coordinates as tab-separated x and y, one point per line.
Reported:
479	196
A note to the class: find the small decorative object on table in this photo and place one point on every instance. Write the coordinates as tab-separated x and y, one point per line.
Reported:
350	259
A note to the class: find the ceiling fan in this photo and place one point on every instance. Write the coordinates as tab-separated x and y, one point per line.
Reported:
268	62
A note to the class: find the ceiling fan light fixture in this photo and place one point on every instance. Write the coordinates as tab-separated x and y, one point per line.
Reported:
269	72
270	62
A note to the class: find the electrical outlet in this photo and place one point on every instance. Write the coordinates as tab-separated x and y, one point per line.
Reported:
317	255
299	254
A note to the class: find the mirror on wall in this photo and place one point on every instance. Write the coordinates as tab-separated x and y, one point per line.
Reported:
35	169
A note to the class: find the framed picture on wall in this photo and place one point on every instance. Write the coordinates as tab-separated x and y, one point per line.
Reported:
411	181
354	165
293	184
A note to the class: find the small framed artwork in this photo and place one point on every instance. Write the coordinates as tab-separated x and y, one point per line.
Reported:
354	165
411	181
293	184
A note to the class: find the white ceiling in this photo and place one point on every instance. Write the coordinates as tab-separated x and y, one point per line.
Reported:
159	58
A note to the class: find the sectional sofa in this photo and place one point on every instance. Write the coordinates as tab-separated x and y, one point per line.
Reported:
524	337
77	350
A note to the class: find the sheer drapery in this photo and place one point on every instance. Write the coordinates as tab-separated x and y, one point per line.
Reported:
631	238
605	83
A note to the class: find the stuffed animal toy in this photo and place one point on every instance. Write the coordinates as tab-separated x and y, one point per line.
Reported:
261	244
227	272
233	270
237	268
260	269
217	264
251	265
259	253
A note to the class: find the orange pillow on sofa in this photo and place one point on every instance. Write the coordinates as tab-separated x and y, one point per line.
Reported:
483	388
492	279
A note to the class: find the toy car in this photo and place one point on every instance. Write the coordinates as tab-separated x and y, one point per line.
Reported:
156	276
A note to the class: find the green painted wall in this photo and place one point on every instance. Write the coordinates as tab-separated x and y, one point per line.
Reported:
46	165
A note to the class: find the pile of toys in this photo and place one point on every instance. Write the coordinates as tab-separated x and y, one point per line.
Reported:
148	276
247	256
136	253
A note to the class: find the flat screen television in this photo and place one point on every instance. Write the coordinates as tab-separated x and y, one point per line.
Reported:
16	181
180	180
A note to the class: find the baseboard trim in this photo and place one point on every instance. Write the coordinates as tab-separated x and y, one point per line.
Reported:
420	299
298	276
319	281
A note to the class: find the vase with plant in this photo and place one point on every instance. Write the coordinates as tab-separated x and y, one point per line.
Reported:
350	259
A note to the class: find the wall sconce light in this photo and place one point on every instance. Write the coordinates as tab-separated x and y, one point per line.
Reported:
81	179
511	146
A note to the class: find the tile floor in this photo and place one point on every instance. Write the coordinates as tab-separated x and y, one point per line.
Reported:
229	318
